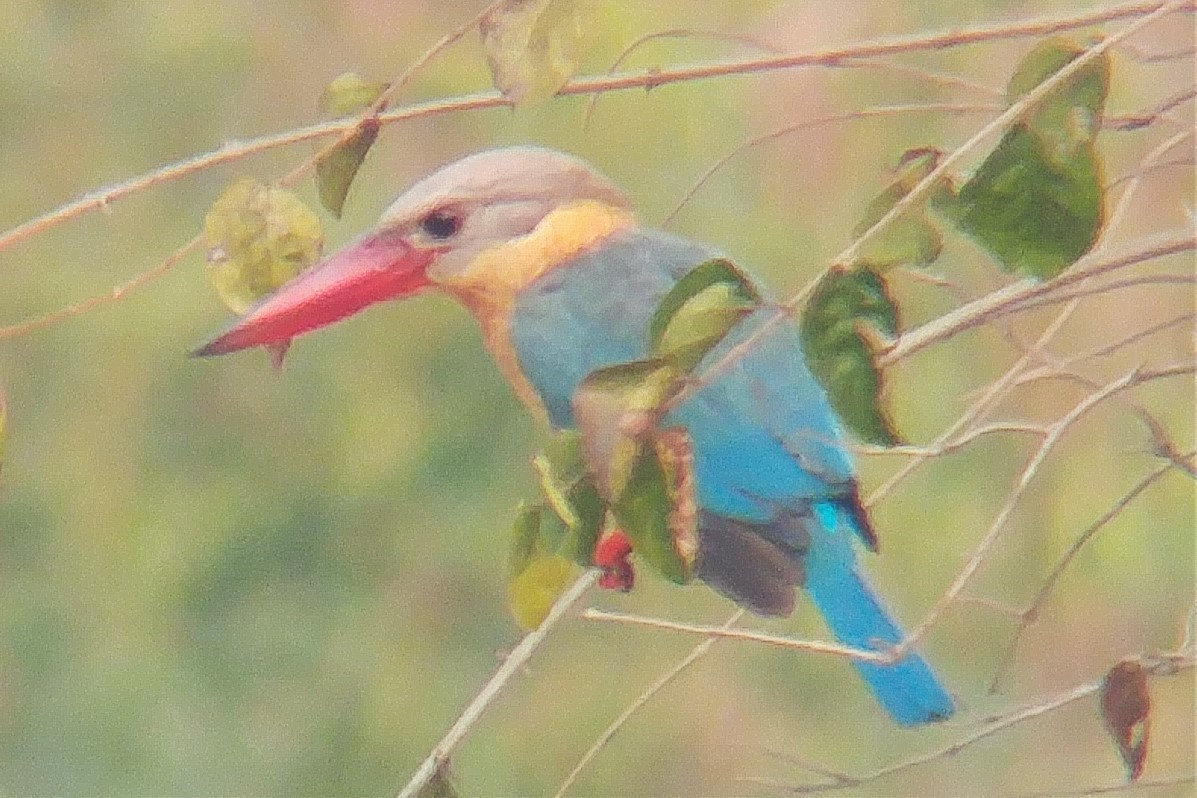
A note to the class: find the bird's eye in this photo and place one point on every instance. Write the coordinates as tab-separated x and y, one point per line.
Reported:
440	225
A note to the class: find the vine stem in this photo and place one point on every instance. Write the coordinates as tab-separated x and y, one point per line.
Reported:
516	660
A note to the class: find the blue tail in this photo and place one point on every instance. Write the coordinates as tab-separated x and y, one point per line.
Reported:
907	690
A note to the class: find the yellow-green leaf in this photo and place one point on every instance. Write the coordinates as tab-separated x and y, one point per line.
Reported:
533	46
840	351
534	590
258	238
336	168
614	408
349	93
1070	116
911	238
1038	201
555	490
699	311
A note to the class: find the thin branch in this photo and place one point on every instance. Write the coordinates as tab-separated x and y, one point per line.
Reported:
1017	110
1106	288
848	116
1028	616
697	653
676	33
114	294
1156	666
780	641
980	553
981	405
1142	785
491	690
1054	368
376	108
1140	121
644	79
1007	300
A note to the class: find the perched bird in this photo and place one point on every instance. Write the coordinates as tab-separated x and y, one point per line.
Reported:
547	256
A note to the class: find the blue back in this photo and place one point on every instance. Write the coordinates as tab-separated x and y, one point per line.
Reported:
778	501
765	438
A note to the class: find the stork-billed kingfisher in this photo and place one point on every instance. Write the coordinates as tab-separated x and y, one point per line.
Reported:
548	257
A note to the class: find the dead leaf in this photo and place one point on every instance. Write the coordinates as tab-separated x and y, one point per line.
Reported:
1126	710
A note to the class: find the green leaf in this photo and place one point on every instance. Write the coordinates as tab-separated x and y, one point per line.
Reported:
1036	214
839	349
653	515
533	591
615	408
258	238
565	476
1069	117
1038	202
591	512
336	168
699	311
525	537
349	93
910	238
533	46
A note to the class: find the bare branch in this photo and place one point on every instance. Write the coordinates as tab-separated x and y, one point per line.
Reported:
816	646
1007	300
1129	380
697	653
491	690
1028	616
849	116
1157	666
235	150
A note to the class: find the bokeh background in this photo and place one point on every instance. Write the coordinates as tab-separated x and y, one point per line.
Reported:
220	580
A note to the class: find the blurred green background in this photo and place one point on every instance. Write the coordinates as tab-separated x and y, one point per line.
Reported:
219	580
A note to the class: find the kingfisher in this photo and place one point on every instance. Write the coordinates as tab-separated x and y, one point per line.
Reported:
548	257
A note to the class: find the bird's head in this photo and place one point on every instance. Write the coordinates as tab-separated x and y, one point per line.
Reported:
431	236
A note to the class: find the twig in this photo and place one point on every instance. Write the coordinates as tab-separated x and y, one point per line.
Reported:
1007	300
920	191
978	408
1165	665
816	646
1109	789
1027	617
112	295
862	113
393	89
676	33
491	690
235	150
697	653
1056	432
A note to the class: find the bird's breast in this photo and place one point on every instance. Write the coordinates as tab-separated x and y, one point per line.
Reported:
497	276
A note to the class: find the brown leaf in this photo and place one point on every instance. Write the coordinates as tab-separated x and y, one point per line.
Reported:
676	453
1126	710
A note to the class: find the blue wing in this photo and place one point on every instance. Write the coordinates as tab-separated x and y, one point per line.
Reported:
774	479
